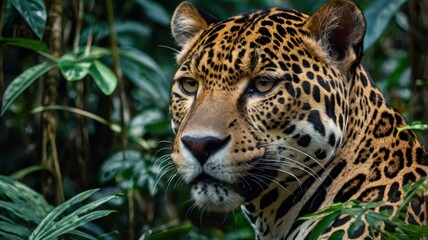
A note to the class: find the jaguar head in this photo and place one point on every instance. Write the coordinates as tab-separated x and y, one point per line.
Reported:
256	100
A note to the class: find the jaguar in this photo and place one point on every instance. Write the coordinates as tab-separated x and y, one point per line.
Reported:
273	113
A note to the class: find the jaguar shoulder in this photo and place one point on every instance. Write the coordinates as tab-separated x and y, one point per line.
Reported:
273	112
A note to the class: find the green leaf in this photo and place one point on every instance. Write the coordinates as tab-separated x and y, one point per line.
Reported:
374	219
401	226
414	126
417	230
146	74
140	57
117	163
168	233
19	193
139	124
328	210
355	225
23	209
73	68
82	234
19	211
338	235
323	224
8	236
136	27
34	14
155	11
131	172
378	16
48	221
105	79
51	228
410	192
389	236
402	20
25	171
22	82
96	52
8	12
100	30
67	225
24	43
14	229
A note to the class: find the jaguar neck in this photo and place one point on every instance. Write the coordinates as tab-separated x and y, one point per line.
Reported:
285	201
289	200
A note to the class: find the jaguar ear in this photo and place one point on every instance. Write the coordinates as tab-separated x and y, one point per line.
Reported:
339	27
187	21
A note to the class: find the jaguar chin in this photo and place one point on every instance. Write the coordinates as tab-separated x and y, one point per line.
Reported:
214	195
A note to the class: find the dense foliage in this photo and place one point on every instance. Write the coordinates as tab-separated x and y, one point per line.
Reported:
91	112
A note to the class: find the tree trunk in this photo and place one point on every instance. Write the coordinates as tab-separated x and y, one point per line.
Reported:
49	97
418	50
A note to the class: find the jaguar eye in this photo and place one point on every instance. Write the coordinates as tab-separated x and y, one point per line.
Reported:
189	86
263	85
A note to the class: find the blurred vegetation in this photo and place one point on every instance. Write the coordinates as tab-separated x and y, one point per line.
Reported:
105	124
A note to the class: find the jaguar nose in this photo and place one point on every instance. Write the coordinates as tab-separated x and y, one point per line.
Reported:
203	148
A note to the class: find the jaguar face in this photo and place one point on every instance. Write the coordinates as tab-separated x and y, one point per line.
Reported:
253	104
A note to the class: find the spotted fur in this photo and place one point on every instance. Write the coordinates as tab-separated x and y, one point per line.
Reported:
273	112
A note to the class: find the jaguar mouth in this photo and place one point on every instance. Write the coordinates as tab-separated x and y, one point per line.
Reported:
207	180
217	195
203	177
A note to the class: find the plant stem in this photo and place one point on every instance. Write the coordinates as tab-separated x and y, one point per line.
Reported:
418	58
78	11
113	127
2	5
122	100
118	72
131	208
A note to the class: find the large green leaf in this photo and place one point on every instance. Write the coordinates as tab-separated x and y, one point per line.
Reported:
51	227
22	209
378	16
34	14
146	74
16	221
10	236
139	124
14	229
155	11
118	163
74	220
73	68
49	221
140	57
130	170
105	79
24	43
19	193
22	82
99	30
17	210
